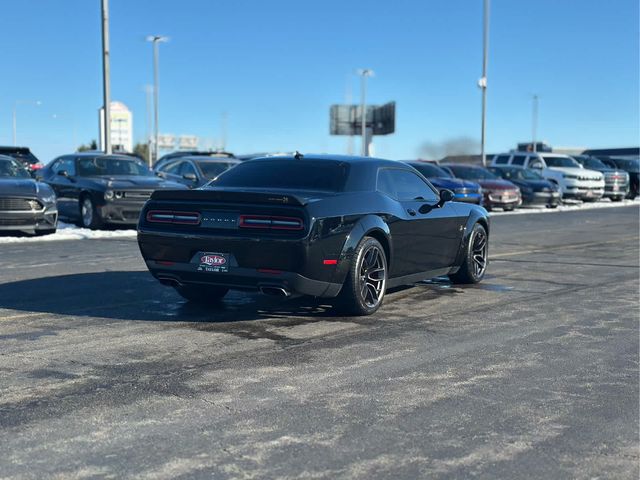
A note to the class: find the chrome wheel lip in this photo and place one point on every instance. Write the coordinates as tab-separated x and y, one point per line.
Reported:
479	253
87	212
372	276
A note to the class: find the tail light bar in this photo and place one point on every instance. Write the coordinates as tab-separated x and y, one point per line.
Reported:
270	222
168	216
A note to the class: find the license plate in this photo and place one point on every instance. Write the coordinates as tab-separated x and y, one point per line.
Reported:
616	188
211	262
589	193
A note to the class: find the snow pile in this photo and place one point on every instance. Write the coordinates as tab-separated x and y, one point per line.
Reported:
570	206
67	231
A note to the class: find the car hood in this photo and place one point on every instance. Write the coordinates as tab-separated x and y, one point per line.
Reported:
135	181
452	183
536	185
496	185
579	172
18	187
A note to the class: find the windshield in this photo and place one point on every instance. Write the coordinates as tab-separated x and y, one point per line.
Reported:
517	174
213	169
109	166
328	176
561	162
429	170
12	169
629	164
472	173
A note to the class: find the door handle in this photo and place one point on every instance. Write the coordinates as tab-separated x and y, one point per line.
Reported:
411	212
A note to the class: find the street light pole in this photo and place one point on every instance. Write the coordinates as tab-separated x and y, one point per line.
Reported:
155	40
534	122
106	87
15	116
482	83
364	73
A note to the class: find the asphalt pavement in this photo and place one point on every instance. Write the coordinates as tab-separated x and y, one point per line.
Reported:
531	374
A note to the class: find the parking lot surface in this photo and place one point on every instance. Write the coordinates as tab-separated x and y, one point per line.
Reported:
531	374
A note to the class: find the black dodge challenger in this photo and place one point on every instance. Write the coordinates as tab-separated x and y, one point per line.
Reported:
320	225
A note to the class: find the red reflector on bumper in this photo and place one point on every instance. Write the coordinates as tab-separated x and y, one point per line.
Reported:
164	262
270	270
330	262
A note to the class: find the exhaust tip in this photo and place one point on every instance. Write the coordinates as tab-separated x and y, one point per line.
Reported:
275	291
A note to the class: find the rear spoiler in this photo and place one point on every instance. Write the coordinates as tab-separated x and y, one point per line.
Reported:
229	196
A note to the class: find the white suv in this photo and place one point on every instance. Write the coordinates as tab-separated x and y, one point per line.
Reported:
574	180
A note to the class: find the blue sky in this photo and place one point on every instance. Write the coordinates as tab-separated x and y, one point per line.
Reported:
276	66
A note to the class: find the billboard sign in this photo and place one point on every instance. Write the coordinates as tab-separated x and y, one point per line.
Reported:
346	119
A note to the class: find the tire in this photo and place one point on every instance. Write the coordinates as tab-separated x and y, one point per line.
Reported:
89	216
508	209
617	199
476	259
364	288
201	293
553	206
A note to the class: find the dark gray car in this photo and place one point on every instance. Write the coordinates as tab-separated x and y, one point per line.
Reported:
195	170
25	204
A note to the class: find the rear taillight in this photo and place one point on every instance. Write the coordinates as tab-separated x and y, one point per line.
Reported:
36	166
269	222
168	216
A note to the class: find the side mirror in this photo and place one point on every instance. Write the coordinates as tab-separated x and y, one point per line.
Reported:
63	173
190	176
445	196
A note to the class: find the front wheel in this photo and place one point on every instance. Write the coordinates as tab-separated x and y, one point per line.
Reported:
201	293
476	259
364	288
89	216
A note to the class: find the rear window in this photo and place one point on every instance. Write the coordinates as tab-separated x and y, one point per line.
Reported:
326	176
213	169
24	155
430	171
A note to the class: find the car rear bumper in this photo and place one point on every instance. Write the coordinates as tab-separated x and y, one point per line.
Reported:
239	278
29	221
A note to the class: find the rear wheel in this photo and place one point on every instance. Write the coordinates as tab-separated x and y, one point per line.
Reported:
476	260
201	293
363	290
617	199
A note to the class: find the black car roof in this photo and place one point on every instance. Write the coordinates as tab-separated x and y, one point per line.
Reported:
349	159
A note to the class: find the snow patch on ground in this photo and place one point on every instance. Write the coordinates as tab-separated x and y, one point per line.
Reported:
68	231
570	207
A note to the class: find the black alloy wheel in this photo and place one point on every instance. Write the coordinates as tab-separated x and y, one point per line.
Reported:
476	260
366	283
89	216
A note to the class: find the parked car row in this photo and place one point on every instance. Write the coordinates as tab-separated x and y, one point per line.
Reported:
94	190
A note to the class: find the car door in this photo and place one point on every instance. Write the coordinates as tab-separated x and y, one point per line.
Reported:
425	236
62	180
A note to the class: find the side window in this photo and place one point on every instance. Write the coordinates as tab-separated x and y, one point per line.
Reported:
501	160
385	184
535	162
409	186
65	163
173	168
518	160
186	168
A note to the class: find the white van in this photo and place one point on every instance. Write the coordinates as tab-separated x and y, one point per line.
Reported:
574	180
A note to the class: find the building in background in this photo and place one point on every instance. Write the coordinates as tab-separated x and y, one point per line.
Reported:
121	128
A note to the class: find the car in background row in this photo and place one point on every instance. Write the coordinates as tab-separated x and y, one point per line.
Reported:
497	193
97	189
629	165
26	205
195	171
24	156
463	190
616	181
534	189
189	153
574	180
325	226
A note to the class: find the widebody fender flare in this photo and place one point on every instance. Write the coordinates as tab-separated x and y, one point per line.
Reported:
368	225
